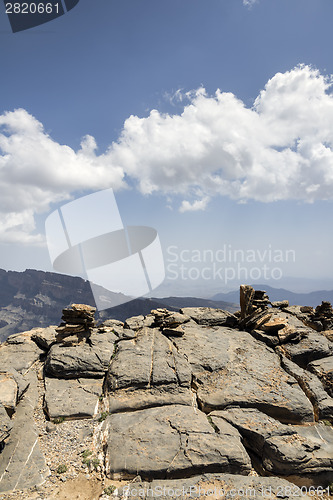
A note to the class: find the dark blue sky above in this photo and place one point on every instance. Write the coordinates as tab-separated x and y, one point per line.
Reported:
90	70
87	71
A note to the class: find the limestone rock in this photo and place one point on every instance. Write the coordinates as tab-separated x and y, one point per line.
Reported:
312	387
111	323
281	304
178	331
22	464
311	346
124	333
169	441
44	337
269	340
137	322
284	449
72	398
19	353
308	451
246	298
323	368
83	360
232	368
5	425
149	363
169	319
328	334
8	392
140	399
209	316
148	360
274	325
78	320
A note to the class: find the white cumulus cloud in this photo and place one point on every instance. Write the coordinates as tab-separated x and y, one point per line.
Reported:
279	149
36	171
186	206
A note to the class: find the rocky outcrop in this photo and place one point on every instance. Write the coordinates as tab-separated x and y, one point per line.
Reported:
283	449
198	397
32	299
22	464
231	367
178	440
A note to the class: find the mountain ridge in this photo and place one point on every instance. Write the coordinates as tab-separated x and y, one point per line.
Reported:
295	298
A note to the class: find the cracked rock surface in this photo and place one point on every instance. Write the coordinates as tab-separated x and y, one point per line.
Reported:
188	399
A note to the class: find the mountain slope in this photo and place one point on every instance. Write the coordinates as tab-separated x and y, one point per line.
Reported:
35	299
308	299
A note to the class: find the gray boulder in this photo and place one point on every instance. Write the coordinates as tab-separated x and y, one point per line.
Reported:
8	392
312	346
210	316
169	441
230	367
72	398
5	424
323	368
83	360
137	322
44	337
148	371
19	353
284	449
22	464
312	387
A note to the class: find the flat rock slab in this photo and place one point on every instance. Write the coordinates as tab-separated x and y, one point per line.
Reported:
213	487
19	356
148	371
210	316
312	346
138	322
169	441
83	360
323	368
232	368
22	464
139	399
72	398
284	449
312	387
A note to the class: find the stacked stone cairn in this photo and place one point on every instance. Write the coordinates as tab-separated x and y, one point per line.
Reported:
77	325
262	318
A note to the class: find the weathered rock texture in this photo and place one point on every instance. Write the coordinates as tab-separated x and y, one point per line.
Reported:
199	397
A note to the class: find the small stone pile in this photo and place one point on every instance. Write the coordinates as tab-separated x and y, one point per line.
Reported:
324	314
265	323
77	325
252	301
320	318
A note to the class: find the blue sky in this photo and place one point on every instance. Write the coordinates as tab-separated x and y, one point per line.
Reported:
239	168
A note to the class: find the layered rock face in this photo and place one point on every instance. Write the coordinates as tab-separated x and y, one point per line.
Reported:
199	398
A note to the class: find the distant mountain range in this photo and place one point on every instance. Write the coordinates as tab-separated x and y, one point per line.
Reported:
36	298
305	299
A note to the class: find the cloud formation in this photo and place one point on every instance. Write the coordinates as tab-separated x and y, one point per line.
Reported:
36	171
280	149
249	3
